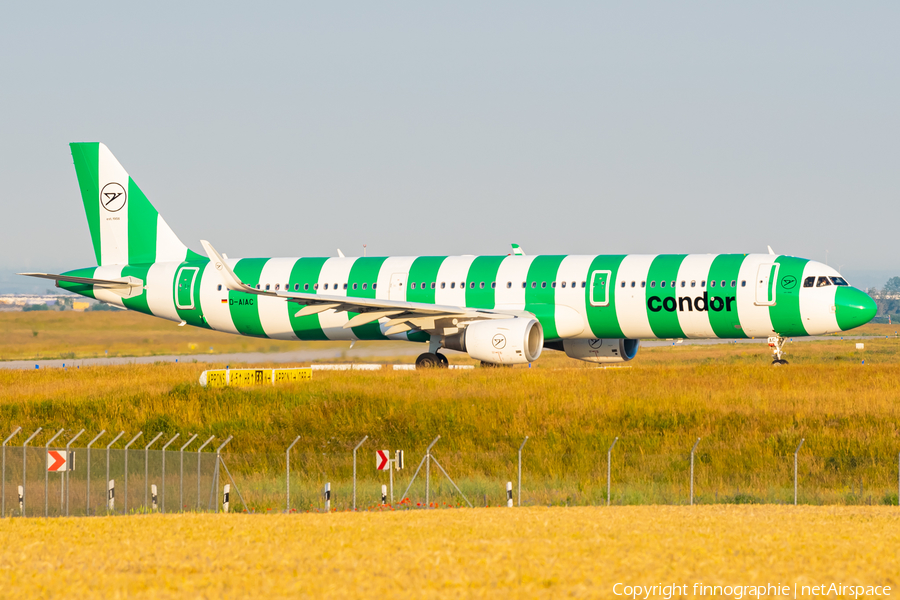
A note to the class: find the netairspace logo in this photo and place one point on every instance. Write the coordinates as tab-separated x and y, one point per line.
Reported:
769	590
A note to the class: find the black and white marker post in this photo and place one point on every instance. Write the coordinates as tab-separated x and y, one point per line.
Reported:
111	495
225	498
328	497
509	503
153	498
383	494
3	492
109	482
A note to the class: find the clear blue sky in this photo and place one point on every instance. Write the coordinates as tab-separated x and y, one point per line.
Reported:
425	128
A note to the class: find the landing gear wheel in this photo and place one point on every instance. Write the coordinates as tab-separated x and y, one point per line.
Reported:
444	361
429	361
777	345
487	365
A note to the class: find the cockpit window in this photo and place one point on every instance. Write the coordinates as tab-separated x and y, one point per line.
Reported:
839	281
809	282
823	281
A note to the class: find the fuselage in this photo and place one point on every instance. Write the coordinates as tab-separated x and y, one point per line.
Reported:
573	296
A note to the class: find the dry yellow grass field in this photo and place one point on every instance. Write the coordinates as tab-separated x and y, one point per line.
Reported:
481	553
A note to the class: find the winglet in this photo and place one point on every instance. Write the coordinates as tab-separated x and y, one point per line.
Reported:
231	280
517	250
341	254
772	252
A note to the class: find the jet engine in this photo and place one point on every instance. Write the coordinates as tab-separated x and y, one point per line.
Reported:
500	341
614	350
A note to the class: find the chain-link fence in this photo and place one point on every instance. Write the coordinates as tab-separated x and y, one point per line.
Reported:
49	480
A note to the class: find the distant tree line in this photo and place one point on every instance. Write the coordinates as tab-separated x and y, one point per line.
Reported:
887	298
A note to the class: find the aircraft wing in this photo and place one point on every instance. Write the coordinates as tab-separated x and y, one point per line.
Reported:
403	316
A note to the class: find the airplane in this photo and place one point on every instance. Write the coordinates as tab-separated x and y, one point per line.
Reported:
501	310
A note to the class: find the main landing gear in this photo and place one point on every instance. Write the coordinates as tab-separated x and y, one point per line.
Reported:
432	360
777	345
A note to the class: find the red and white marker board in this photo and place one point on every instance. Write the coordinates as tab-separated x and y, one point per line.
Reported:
57	461
382	458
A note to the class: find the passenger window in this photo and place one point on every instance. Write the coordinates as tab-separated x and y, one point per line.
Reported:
374	286
653	284
277	286
452	285
564	284
462	285
220	287
583	284
316	286
643	284
662	284
573	284
493	285
823	281
693	283
673	284
723	283
364	285
472	285
523	285
839	281
257	286
345	286
508	284
297	287
543	284
743	283
632	284
432	284
267	287
423	285
623	284
682	283
553	284
443	285
305	287
713	284
533	284
703	283
413	285
733	283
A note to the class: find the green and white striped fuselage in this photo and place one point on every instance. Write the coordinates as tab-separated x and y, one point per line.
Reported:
593	296
498	309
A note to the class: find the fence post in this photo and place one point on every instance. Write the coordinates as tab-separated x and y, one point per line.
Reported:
3	492
47	474
287	474
428	473
797	451
88	494
69	466
181	476
24	463
147	471
694	449
115	439
216	472
609	469
519	499
211	438
163	503
361	442
133	440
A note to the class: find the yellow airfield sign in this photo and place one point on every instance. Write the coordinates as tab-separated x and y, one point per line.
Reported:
248	377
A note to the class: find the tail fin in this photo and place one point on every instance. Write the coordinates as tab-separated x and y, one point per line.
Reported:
125	228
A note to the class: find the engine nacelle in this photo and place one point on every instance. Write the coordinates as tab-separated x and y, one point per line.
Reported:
500	341
614	350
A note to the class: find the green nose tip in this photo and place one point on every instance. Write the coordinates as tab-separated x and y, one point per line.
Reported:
853	307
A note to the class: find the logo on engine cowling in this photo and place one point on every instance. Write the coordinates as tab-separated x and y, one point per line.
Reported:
595	343
499	341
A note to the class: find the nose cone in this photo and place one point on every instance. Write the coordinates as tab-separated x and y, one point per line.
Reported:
853	307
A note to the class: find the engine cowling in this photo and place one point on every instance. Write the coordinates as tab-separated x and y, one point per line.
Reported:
614	350
500	341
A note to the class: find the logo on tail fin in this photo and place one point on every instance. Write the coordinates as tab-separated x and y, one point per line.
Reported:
113	197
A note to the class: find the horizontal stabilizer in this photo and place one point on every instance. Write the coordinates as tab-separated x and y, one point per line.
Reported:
126	287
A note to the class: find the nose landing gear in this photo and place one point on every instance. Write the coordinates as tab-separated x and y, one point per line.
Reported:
777	345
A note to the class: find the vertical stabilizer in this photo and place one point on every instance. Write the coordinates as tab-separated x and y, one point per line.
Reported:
125	228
